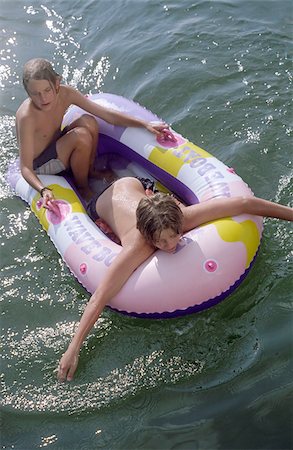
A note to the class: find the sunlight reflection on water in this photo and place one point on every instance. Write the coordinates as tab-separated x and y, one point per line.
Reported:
220	73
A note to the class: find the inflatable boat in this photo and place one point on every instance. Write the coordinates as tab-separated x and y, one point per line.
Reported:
210	261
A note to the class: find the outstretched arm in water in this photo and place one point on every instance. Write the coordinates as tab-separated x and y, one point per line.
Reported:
130	257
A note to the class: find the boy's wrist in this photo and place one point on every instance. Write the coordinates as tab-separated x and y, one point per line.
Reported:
44	189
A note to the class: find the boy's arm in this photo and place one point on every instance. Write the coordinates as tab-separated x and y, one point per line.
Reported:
204	212
112	116
118	273
25	133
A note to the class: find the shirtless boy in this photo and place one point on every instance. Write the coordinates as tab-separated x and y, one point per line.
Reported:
43	147
144	223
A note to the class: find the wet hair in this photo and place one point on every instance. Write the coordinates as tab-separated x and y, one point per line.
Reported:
39	69
157	213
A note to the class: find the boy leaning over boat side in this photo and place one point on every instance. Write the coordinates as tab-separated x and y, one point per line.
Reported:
43	147
144	223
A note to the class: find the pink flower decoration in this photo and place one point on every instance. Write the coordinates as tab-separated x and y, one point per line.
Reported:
169	142
39	203
63	209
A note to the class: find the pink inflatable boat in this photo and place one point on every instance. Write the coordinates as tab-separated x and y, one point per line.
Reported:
209	263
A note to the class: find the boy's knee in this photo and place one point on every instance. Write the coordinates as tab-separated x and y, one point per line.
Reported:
84	138
90	123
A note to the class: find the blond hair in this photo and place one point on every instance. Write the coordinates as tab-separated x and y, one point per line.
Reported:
157	213
39	69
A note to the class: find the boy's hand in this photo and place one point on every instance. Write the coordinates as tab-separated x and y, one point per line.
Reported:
47	196
162	130
157	127
67	365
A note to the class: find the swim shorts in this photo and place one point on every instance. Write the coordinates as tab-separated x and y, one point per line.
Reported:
47	163
91	206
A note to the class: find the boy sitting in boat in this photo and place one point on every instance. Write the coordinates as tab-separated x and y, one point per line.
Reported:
144	222
46	149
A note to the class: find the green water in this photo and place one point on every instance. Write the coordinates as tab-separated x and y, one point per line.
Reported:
221	73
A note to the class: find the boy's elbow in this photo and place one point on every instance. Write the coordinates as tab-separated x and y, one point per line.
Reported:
25	170
245	204
98	300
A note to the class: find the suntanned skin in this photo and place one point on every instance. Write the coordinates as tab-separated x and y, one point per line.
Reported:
117	206
38	122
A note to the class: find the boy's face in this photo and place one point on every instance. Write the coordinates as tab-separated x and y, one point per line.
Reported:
167	240
42	93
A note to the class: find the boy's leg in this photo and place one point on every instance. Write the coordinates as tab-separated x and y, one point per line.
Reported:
76	149
90	124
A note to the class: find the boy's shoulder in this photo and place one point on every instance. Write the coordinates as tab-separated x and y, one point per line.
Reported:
66	89
24	109
67	95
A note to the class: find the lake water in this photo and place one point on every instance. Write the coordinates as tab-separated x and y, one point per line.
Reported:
220	72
